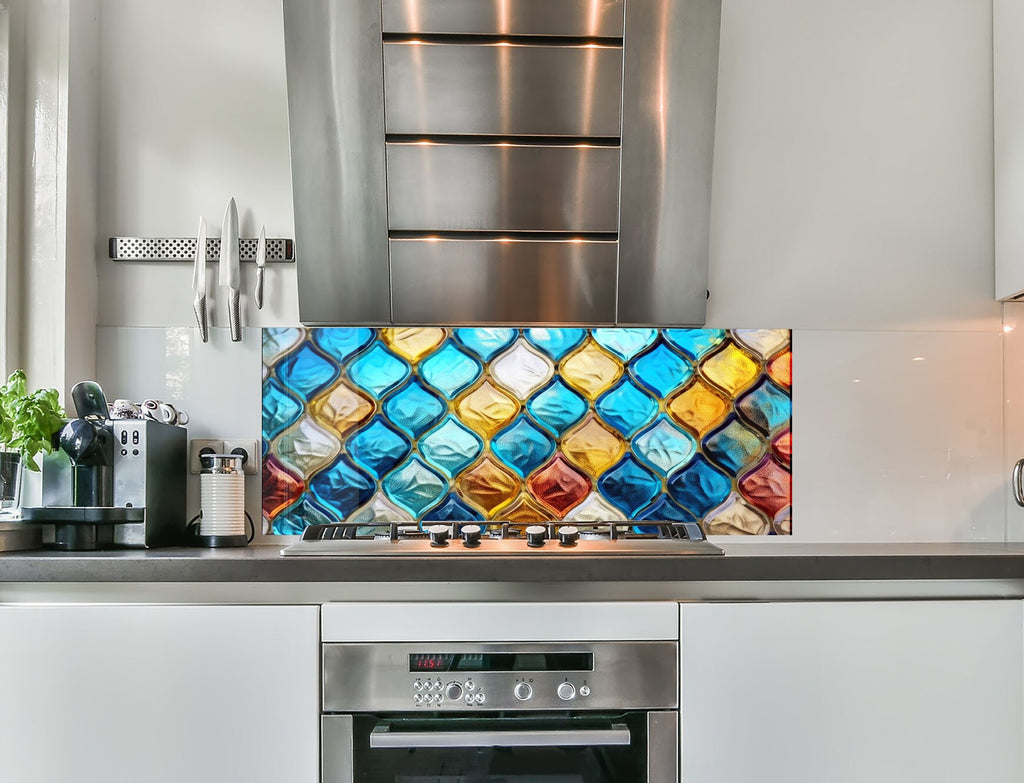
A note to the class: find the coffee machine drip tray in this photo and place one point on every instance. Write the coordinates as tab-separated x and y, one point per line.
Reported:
83	527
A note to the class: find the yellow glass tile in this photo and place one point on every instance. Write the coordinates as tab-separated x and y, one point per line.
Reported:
591	370
525	511
593	447
698	407
341	409
730	369
781	369
413	344
486	409
487	485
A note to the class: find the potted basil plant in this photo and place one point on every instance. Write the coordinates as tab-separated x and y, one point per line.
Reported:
28	423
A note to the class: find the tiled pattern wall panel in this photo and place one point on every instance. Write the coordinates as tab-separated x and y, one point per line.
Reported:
527	425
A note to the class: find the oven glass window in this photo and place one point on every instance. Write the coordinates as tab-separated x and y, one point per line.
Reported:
468	750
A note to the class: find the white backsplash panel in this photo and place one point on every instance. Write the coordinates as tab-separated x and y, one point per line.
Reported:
216	383
899	436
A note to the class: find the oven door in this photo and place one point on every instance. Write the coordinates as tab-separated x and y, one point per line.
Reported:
630	747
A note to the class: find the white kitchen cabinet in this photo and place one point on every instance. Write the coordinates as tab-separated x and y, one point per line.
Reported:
858	692
1008	131
161	694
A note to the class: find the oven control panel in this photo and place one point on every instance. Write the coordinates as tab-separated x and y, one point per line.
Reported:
514	676
443	693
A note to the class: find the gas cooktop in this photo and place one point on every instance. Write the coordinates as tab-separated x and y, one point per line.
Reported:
468	539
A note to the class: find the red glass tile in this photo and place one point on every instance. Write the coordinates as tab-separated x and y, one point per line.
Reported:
280	488
782	448
559	486
768	487
781	369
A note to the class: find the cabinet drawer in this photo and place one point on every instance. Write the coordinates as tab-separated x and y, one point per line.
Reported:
594	18
502	281
502	89
502	187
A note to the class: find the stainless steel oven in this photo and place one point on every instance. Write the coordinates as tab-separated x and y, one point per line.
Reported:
521	712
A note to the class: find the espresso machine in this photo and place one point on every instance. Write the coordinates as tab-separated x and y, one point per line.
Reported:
117	482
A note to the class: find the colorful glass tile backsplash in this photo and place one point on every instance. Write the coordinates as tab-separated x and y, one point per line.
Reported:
527	425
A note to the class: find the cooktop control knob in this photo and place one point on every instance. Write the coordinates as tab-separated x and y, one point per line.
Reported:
453	692
523	691
568	535
438	535
566	691
471	535
535	535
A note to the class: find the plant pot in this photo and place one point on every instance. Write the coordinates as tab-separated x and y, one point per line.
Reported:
11	469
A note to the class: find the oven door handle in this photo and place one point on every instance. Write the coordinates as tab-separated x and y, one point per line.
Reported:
383	737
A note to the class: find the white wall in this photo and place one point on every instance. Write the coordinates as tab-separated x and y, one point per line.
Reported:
852	203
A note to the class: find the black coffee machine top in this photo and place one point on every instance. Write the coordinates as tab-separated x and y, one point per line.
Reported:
113	482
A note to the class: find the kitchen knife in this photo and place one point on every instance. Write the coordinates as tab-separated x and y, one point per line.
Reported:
229	276
261	262
199	282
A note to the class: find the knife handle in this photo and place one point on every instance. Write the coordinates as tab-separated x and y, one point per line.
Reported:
199	305
235	316
258	293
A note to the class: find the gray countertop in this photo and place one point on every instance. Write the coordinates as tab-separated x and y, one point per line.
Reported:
744	562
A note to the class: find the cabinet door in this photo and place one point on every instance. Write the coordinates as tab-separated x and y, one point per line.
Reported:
852	692
1008	122
203	694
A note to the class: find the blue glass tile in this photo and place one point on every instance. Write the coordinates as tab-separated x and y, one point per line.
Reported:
664	447
341	343
414	409
522	446
557	407
694	342
306	372
450	370
486	343
767	407
342	487
414	486
664	510
556	343
627	408
280	409
625	343
453	510
451	447
629	485
661	370
733	447
378	370
298	516
699	487
377	447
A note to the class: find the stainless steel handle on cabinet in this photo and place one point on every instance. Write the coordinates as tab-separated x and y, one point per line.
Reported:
383	737
1018	487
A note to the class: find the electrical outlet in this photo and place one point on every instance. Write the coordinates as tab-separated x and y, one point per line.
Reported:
198	446
249	448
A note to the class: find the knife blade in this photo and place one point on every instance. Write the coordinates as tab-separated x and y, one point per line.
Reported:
199	282
229	276
261	262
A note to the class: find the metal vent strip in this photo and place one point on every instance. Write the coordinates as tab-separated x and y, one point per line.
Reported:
279	251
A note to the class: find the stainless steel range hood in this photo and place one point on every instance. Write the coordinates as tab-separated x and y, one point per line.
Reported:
502	161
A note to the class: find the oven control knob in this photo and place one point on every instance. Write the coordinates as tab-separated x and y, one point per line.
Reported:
471	535
453	692
568	535
566	691
584	690
438	535
535	535
522	691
